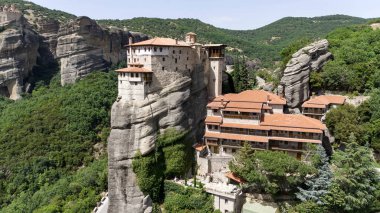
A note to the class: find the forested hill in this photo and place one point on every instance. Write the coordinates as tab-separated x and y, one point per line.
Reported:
264	43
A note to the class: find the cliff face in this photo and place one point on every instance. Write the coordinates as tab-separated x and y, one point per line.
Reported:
18	55
80	46
83	46
180	104
294	84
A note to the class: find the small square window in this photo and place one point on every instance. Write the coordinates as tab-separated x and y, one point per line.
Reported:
163	59
163	68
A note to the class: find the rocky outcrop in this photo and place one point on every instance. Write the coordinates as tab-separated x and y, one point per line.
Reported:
180	104
48	30
18	55
294	84
83	46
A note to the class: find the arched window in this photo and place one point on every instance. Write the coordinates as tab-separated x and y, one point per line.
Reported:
175	60
160	49
155	49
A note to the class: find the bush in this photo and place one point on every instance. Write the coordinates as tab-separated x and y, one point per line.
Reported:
172	157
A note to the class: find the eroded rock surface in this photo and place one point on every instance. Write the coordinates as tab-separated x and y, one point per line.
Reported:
18	55
180	104
83	46
294	84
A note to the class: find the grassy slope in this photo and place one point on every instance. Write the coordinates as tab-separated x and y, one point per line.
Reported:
264	43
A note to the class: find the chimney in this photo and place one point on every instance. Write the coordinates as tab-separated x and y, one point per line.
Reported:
176	41
130	41
222	101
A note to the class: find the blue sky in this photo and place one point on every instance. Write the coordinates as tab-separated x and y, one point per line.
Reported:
230	14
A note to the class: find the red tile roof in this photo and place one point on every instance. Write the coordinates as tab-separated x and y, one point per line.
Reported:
292	121
232	176
213	119
249	99
199	147
324	100
257	96
161	42
134	70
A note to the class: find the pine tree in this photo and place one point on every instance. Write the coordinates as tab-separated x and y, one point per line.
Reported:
317	185
355	179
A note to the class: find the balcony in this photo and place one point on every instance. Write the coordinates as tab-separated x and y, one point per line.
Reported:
240	116
231	143
313	111
300	135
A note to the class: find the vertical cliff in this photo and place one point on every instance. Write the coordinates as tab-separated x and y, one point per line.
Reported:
18	55
180	103
83	46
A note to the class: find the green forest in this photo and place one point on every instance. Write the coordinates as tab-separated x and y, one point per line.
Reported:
48	160
264	43
356	64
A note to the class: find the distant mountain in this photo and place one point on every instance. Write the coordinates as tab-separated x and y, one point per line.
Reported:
263	43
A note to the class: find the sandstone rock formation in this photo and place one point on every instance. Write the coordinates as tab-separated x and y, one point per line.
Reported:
83	46
294	84
180	104
18	55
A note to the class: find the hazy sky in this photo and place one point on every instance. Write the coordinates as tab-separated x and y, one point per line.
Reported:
231	14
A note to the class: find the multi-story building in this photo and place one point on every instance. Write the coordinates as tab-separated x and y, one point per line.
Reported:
256	117
318	106
152	61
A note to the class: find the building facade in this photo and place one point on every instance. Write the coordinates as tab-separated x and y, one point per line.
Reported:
9	14
164	57
256	117
317	107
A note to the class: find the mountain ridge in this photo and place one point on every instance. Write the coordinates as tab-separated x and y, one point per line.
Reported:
263	43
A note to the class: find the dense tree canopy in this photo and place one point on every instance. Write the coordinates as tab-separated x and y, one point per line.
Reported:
355	179
269	171
356	64
47	136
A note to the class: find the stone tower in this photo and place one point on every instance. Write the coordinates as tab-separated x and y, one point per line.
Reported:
217	66
133	82
191	38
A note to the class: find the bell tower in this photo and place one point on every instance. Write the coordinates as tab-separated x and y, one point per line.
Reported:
191	38
217	66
